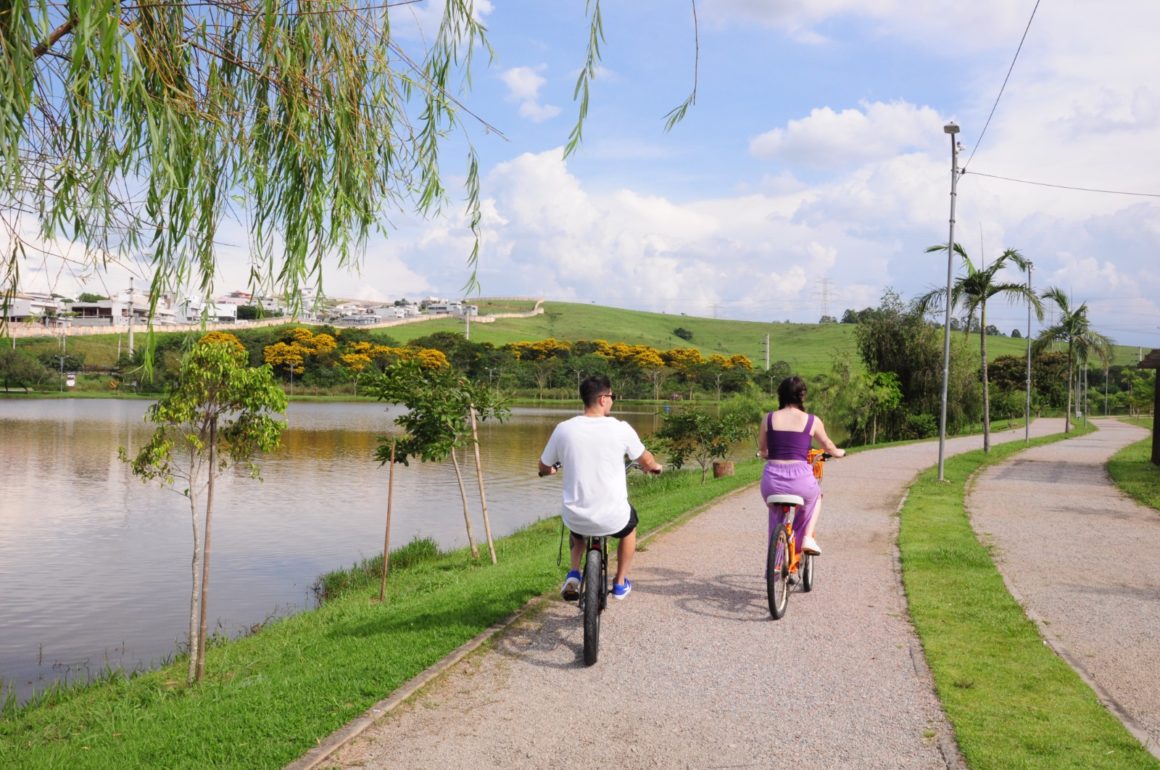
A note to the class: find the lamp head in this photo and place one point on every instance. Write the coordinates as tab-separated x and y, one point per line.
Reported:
951	128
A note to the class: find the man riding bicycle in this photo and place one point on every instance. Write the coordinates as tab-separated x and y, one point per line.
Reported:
590	448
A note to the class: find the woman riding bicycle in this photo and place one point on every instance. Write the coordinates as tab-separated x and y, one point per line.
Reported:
784	441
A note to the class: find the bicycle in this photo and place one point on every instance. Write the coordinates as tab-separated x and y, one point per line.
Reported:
784	564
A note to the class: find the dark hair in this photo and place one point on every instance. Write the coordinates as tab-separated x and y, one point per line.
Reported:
791	392
592	388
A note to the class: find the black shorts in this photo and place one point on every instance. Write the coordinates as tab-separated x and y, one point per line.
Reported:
628	528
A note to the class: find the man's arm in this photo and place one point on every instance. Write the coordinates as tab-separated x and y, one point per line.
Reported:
547	470
649	463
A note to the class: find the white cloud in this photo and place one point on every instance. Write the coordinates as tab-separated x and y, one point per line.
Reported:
829	139
523	85
422	19
969	26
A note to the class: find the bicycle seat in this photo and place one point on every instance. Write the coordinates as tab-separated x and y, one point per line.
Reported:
785	500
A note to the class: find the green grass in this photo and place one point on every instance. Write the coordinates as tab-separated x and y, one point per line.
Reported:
1013	703
269	697
1132	469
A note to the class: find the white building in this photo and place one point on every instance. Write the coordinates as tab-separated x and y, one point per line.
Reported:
42	309
191	309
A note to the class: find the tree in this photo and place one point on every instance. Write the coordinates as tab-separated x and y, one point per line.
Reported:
20	369
131	128
697	435
687	363
652	367
437	422
1074	329
881	396
896	338
220	412
973	290
683	333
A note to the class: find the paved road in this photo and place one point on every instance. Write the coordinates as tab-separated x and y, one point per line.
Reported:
1098	606
692	671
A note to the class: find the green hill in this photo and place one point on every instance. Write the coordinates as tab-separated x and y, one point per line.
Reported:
809	349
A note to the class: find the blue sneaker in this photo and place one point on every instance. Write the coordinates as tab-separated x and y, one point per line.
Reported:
571	588
621	590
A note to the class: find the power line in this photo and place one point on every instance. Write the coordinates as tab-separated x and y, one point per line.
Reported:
1066	187
1004	86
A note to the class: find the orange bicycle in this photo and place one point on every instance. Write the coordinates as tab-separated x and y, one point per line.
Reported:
785	565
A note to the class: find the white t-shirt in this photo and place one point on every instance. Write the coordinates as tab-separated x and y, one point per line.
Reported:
591	452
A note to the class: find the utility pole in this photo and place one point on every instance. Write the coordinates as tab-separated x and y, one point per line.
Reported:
767	352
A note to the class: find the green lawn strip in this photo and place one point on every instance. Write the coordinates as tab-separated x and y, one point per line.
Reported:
267	698
1132	469
1012	702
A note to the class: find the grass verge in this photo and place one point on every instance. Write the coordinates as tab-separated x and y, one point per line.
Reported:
1132	470
1013	703
268	698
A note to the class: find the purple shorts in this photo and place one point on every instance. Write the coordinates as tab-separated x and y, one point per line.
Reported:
792	479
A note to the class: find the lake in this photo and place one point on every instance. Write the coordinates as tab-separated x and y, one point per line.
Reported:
95	564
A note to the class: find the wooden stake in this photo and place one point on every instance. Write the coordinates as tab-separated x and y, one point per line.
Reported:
479	477
387	534
466	515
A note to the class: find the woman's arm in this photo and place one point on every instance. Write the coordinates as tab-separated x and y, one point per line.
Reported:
819	432
762	441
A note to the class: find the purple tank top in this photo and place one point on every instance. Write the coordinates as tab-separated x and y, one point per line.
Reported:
787	444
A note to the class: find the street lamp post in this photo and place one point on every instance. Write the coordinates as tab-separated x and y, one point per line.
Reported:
1027	403
952	129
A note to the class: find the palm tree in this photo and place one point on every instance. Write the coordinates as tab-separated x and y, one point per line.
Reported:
972	291
1074	329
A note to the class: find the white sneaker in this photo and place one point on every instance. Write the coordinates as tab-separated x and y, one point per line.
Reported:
809	545
571	588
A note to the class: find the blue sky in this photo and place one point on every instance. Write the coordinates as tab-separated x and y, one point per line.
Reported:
812	172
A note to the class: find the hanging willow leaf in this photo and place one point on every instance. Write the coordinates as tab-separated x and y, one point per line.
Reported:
131	131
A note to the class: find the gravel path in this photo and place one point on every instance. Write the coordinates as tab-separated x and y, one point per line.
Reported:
692	671
1098	606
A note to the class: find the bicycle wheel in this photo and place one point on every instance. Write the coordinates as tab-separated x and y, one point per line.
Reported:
777	573
807	570
593	590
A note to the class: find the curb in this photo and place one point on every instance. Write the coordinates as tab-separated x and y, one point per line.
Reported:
340	737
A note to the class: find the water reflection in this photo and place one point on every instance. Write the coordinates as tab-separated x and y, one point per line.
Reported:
95	565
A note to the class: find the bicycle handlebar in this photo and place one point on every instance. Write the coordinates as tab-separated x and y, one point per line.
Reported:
634	464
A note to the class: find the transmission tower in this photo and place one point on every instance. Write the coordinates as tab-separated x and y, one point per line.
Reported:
823	294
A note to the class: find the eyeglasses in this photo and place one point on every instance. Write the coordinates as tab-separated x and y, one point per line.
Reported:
611	396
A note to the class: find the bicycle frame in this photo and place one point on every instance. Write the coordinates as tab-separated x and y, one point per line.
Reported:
788	512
